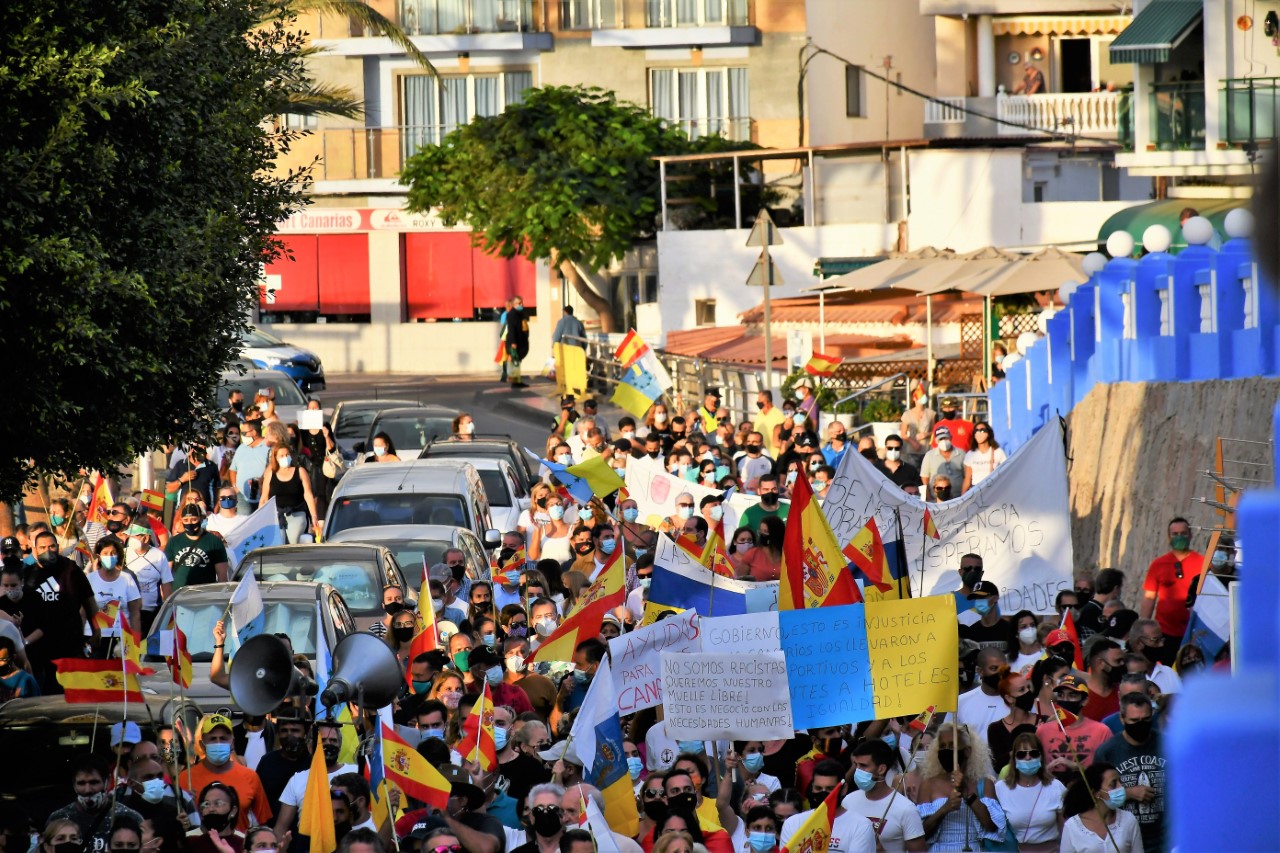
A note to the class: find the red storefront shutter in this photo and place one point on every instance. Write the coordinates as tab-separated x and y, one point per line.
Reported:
499	279
438	276
299	278
344	273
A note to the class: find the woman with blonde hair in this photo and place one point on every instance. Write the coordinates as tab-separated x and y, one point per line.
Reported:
574	583
447	687
957	799
290	485
675	842
463	427
1031	797
57	833
265	401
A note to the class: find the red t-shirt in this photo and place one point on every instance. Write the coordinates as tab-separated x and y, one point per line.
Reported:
1079	743
1098	707
961	433
1171	590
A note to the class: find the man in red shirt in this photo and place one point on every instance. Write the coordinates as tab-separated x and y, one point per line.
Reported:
1168	581
961	430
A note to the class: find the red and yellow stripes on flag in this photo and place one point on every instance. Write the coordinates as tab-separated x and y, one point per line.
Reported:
866	551
152	499
428	637
131	646
93	681
822	365
179	659
814	835
101	503
923	720
583	622
930	529
814	571
630	350
515	563
1069	625
478	743
411	773
106	616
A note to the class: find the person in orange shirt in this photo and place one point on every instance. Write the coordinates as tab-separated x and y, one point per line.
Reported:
1169	577
220	764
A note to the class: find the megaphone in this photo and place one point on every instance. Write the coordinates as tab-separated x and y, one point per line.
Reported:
366	669
263	675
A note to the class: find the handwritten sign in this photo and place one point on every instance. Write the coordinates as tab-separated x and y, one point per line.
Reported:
747	634
828	668
636	658
912	646
714	696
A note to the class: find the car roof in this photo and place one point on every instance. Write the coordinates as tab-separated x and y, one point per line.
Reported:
320	547
401	532
56	709
489	463
415	412
275	590
381	404
441	474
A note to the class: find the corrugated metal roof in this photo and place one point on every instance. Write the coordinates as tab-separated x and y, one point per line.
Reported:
1156	31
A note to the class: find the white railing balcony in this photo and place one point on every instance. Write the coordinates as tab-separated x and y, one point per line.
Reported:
1075	113
944	111
461	17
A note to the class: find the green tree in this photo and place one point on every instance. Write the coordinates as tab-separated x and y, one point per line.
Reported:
139	203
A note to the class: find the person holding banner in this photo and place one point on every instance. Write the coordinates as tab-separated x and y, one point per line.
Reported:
957	800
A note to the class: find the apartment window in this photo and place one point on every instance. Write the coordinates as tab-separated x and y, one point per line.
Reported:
704	312
855	95
703	101
298	121
433	108
589	14
695	13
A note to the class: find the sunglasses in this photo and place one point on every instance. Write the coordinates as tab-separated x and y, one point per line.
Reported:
448	848
653	794
556	810
1177	568
1027	753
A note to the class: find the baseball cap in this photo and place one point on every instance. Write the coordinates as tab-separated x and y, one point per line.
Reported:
125	733
982	589
1057	637
805	441
1071	682
192	511
941	432
559	750
9	544
712	392
949	403
212	721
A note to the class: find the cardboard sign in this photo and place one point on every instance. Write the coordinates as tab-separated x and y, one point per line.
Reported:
636	658
719	696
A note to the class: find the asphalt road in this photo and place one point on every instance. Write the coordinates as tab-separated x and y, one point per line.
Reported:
465	393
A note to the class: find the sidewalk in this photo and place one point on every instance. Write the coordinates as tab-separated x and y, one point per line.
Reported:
540	402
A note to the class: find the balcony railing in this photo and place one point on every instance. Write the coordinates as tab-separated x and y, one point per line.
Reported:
462	17
944	111
1250	109
590	14
737	129
360	153
1177	116
696	13
1075	113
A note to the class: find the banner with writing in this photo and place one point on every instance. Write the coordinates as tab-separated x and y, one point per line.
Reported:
637	670
1018	520
714	696
828	669
744	635
655	492
913	646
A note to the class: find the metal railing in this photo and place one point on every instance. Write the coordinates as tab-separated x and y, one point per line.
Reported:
1250	109
357	153
461	17
888	380
696	13
1177	116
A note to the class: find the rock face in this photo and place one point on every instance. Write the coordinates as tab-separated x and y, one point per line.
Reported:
1137	455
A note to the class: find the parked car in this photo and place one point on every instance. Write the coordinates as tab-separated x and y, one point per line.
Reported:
268	351
507	498
357	571
290	607
417	544
522	461
41	738
351	420
289	400
410	429
423	491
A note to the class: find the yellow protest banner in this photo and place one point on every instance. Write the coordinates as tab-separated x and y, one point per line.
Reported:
571	369
913	645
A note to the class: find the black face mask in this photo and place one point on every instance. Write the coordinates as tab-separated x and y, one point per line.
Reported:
1153	653
402	634
943	493
971	578
1084	597
583	548
217	822
682	802
68	847
341	829
1025	702
192	528
1139	731
1066	651
655	810
769	498
1115	675
392	608
292	744
458	572
114	526
1071	706
948	414
991	681
870	453
753	449
482	606
547	824
815	798
653	454
947	759
331	752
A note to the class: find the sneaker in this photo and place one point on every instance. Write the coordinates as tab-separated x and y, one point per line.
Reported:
519	385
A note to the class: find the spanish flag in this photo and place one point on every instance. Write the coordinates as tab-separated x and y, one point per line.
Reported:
583	622
131	646
315	818
814	836
152	499
478	742
90	682
106	617
180	659
630	350
822	365
930	529
411	773
1069	626
814	571
866	552
515	563
923	720
101	503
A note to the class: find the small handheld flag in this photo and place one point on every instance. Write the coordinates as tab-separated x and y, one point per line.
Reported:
823	365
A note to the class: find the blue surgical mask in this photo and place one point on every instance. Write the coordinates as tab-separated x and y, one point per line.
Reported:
499	737
153	790
692	747
864	779
565	459
109	561
791	477
983	606
716	512
218	753
493	675
1029	766
684	512
556	512
891	738
630	514
607	545
634	767
1116	798
430	733
640	552
762	842
581	677
754	762
489	639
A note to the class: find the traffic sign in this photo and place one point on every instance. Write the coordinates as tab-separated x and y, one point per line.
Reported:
764	271
763	231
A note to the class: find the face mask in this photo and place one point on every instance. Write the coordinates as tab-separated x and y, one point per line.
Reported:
92	802
944	444
1116	798
630	514
565	458
218	753
437	604
791	477
644	582
262	407
948	414
947	759
402	633
138	545
762	842
685	512
716	512
114	526
1025	702
753	449
331	752
1028	766
48	559
753	762
292	745
547	824
983	606
1180	542
580	677
769	498
518	630
153	790
870	454
246	439
991	681
556	512
285	461
893	454
660	417
56	520
192	527
515	665
433	733
1139	731
634	767
694	747
943	493
1027	636
1071	706
14	594
109	561
499	735
68	847
582	548
494	675
462	660
545	626
607	545
227	503
379	450
1219	559
216	822
742	547
1115	675
864	779
684	803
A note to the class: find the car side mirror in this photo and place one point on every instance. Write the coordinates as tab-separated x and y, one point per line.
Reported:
492	538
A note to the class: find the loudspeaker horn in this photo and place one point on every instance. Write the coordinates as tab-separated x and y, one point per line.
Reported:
263	675
364	669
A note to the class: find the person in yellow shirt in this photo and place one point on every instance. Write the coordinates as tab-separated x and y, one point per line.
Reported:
707	411
770	416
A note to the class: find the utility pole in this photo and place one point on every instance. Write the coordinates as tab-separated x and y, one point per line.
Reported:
765	234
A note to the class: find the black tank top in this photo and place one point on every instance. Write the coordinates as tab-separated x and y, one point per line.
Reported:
288	493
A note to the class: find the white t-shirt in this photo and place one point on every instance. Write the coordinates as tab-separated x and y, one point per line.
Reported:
982	464
901	824
977	710
224	525
1124	835
1166	679
851	833
297	785
151	569
123	589
1032	811
1022	664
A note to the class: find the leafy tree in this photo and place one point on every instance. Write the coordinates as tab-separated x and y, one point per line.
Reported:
138	205
567	176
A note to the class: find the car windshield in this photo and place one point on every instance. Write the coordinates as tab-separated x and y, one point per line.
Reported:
415	552
351	571
398	508
287	393
297	619
470	449
412	433
495	486
354	423
259	338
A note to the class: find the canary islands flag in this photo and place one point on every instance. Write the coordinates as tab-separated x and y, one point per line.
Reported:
636	391
597	739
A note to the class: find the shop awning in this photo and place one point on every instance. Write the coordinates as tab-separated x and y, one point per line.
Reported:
1167	212
1059	25
1156	31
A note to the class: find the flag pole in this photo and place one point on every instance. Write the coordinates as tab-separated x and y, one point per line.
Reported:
915	746
124	723
1102	817
902	557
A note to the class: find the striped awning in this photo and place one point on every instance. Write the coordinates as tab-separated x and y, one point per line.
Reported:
1060	25
1156	31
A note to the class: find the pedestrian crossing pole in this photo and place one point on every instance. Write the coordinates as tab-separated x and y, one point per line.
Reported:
764	274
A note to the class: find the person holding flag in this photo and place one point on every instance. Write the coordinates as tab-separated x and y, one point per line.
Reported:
827	825
597	739
303	791
957	799
113	590
814	571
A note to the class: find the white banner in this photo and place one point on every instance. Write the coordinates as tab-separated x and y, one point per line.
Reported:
744	635
637	670
259	531
719	696
1018	520
655	492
